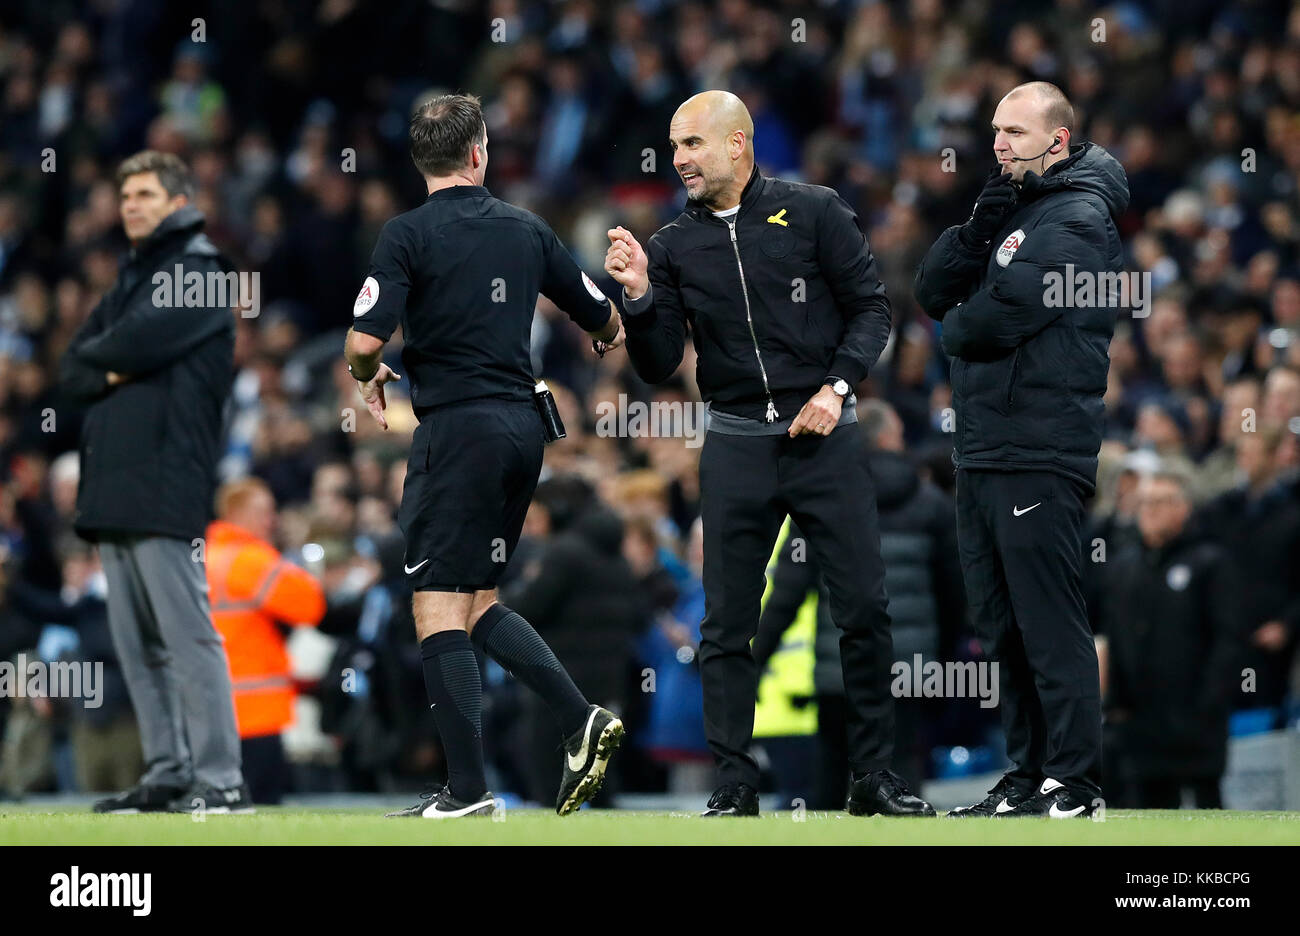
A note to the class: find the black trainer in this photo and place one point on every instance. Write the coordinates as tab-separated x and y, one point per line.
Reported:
1002	799
885	793
214	801
586	755
733	799
1053	800
440	804
142	798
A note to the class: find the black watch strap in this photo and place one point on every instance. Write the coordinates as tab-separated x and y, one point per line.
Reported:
361	379
839	385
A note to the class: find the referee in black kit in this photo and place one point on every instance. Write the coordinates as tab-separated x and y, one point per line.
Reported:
779	291
1028	376
461	274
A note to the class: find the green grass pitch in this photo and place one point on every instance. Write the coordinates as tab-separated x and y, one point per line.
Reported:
30	825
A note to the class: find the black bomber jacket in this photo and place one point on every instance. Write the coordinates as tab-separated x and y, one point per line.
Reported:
776	303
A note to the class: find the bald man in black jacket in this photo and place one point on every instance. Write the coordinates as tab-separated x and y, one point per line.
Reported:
1029	369
779	291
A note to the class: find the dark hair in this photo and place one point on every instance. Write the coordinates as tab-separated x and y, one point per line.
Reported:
443	131
173	174
565	498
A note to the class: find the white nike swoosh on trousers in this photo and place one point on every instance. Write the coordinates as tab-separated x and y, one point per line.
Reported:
1016	511
578	761
414	568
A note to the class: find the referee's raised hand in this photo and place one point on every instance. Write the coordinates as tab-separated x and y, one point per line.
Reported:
372	391
626	262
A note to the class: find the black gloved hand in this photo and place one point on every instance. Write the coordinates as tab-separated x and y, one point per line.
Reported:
996	202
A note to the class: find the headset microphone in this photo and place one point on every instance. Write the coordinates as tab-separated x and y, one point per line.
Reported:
1056	141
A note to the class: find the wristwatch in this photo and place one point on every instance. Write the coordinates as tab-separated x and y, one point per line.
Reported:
838	385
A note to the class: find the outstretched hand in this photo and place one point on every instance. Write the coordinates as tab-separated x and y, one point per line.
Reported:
372	391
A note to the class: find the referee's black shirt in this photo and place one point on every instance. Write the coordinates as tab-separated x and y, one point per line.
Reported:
461	275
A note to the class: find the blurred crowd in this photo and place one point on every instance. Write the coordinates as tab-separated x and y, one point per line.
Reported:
293	117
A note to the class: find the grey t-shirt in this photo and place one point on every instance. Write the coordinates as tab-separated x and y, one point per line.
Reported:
729	424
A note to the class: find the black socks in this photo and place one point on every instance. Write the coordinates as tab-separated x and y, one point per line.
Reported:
510	640
451	678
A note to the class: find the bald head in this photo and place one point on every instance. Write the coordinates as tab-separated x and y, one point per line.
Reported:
1049	100
1033	126
712	138
720	112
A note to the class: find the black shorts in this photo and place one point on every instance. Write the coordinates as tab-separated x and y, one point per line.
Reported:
470	477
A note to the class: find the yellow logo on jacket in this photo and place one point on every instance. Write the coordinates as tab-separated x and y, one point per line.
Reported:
776	218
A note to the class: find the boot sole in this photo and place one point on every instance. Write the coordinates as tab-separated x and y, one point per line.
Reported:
611	736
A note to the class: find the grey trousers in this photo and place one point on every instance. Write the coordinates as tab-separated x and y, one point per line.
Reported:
173	659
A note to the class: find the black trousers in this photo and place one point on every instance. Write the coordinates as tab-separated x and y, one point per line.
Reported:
912	721
748	484
266	771
1019	535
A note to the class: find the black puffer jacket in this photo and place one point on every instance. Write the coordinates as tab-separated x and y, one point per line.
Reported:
1028	377
149	445
918	544
583	601
1172	618
1260	534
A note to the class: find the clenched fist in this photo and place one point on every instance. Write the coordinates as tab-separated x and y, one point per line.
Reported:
626	262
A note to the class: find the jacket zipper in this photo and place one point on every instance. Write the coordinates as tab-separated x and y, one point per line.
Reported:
957	423
771	406
1011	384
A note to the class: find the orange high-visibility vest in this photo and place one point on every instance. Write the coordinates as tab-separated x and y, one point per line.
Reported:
252	589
